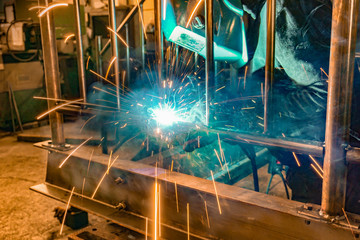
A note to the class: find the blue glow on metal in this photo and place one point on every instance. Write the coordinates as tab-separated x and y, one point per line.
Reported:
233	8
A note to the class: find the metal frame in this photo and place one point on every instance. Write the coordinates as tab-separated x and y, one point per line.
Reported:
255	213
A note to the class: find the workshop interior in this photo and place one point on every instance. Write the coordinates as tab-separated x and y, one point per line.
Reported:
180	119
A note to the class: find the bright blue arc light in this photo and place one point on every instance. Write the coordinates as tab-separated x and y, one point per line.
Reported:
165	116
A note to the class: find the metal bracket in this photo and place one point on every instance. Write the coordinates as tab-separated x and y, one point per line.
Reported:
49	146
314	211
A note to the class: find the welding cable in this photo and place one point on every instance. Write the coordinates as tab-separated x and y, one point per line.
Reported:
8	46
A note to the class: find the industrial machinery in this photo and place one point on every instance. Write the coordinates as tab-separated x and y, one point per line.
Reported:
162	178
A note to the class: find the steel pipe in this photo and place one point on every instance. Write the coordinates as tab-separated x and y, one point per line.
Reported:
142	39
159	48
51	68
127	39
79	50
269	61
341	71
115	49
98	57
209	61
126	19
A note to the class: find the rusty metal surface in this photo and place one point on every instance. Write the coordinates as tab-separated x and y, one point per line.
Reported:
245	214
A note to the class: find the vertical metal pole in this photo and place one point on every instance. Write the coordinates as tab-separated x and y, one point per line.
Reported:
127	39
51	68
209	62
142	39
114	48
341	73
80	50
159	53
270	61
98	46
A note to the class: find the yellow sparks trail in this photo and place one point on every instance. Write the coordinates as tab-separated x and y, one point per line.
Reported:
103	177
188	220
317	164
207	214
192	13
296	159
67	207
316	170
121	39
217	196
63	162
55	108
51	7
68	37
108	70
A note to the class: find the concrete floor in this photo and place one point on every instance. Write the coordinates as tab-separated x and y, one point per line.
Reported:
25	214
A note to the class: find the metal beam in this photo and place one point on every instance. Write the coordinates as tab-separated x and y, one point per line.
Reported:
269	62
159	48
209	61
80	50
115	49
341	71
98	57
51	68
245	214
126	20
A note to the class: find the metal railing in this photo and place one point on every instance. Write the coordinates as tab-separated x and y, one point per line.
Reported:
342	53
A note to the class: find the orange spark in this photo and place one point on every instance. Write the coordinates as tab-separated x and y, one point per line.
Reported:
68	37
324	72
121	39
67	207
317	164
55	108
193	12
103	177
217	196
188	220
317	171
86	122
63	162
296	159
51	7
177	200
36	7
146	228
156	212
111	63
207	214
87	62
95	73
347	219
217	155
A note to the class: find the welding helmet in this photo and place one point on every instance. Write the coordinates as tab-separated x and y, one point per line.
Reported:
183	23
